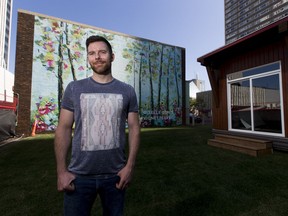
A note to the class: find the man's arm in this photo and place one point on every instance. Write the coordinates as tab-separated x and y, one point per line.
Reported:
134	142
62	144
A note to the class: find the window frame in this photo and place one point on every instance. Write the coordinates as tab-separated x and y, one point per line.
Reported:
230	80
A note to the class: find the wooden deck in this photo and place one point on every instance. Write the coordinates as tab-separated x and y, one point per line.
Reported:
253	147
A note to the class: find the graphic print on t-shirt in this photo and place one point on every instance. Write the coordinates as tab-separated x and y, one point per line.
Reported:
101	114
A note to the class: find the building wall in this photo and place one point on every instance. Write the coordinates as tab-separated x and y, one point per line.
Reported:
5	29
219	110
56	55
6	85
195	86
245	17
206	97
193	90
23	71
267	51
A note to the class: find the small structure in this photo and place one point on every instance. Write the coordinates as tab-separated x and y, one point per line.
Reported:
249	81
8	118
8	105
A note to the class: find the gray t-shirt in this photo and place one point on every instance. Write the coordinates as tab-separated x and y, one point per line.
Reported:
100	114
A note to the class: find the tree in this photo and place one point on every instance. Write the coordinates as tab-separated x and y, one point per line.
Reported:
192	103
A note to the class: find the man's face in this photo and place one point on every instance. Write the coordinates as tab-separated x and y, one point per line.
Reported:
99	58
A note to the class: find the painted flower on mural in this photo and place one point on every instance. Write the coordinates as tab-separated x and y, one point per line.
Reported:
77	50
48	46
46	114
81	68
66	66
77	54
49	58
55	27
77	33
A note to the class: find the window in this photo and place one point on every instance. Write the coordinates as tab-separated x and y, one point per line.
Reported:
255	100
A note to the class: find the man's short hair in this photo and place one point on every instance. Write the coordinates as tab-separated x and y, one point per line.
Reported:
96	38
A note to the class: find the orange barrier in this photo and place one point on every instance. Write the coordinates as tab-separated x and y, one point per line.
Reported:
34	128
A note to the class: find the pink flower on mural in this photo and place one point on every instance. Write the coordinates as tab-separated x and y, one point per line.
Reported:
50	63
77	54
48	46
45	116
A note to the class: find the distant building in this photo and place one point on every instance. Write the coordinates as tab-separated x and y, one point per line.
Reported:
8	103
247	16
195	86
195	89
6	77
205	97
5	30
6	85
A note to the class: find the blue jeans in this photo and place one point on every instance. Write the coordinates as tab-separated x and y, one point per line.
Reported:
80	201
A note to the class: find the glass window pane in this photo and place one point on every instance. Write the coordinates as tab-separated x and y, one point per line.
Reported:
263	69
266	104
262	89
254	71
240	105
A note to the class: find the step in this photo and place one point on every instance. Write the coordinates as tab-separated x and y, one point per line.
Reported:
243	141
242	148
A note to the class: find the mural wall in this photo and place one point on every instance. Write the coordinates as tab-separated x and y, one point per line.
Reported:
154	69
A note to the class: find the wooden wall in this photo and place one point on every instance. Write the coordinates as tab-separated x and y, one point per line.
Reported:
256	54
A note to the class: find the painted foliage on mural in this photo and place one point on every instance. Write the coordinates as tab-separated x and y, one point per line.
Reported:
59	57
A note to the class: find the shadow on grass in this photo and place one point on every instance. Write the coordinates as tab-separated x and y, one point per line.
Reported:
196	206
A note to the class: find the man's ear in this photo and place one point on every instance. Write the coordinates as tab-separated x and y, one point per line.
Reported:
112	57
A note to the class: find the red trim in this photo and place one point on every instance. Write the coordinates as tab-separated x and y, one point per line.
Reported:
9	105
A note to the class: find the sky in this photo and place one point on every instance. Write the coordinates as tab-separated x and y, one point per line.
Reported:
197	26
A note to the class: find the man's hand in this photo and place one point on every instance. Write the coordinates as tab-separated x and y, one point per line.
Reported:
65	181
125	175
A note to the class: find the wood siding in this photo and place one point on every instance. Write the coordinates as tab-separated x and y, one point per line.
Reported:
262	47
272	51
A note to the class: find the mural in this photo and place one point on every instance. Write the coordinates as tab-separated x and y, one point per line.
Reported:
59	56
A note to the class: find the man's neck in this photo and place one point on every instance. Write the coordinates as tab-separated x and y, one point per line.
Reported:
102	78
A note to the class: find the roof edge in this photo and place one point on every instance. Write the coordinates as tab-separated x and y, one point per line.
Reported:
241	40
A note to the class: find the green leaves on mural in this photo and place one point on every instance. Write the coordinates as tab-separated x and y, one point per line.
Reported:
59	50
154	70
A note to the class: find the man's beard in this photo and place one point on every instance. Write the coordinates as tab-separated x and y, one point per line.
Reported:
104	69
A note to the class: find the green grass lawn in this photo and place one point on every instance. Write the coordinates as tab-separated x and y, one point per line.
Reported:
177	173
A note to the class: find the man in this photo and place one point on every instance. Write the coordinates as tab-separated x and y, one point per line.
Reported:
99	106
